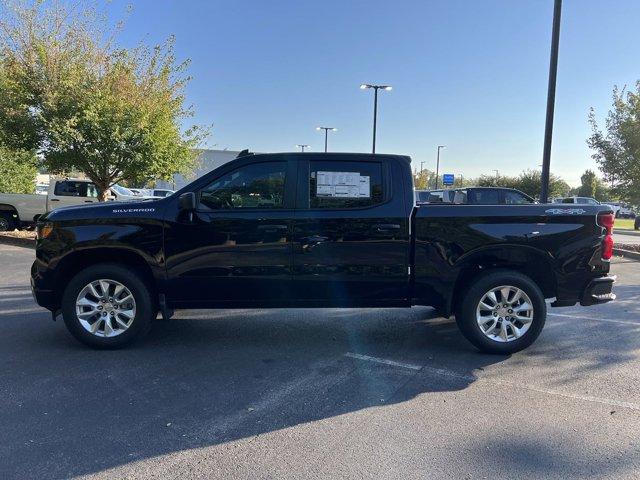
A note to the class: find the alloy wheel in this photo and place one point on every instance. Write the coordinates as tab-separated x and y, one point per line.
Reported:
105	308
504	313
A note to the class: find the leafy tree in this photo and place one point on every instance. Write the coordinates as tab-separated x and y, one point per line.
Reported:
588	184
17	171
112	114
617	148
424	179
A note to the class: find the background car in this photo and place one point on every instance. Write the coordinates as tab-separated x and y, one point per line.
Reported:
587	201
161	192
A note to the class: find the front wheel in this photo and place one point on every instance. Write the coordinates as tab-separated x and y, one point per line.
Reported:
107	306
502	312
7	223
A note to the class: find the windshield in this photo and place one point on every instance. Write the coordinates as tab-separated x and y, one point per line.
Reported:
120	190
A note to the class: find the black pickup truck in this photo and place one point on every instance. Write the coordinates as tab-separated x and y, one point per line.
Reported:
319	230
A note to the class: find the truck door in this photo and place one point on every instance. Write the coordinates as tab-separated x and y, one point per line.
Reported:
350	234
63	193
236	247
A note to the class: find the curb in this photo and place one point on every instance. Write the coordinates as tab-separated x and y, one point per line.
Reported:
626	254
620	231
17	242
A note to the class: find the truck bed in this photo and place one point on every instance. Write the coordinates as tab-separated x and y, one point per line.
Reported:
453	242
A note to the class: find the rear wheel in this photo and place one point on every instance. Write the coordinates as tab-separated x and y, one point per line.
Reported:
502	312
107	306
7	222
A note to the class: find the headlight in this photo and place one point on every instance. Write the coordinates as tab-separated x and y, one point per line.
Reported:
43	230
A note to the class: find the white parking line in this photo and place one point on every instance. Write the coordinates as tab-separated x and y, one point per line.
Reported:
582	317
472	378
383	361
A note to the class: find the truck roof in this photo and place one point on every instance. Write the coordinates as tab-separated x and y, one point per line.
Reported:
334	155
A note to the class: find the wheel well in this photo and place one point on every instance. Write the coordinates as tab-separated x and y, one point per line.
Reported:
537	268
9	209
78	261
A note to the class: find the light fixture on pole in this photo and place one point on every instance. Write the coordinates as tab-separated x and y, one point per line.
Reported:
302	146
438	163
365	86
326	133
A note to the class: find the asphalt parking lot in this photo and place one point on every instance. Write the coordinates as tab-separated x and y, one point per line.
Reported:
336	393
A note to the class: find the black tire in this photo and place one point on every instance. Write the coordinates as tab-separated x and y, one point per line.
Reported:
466	311
7	222
145	306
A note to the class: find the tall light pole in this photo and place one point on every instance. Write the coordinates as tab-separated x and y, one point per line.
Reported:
326	134
365	86
302	147
438	164
551	99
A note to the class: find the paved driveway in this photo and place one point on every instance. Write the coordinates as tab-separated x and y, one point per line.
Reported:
336	393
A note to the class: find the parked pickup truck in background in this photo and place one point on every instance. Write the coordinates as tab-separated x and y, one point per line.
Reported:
23	210
319	230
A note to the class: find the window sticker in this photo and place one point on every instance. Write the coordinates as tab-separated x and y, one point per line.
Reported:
343	185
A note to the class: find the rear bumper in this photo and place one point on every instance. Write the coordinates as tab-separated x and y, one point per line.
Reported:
598	290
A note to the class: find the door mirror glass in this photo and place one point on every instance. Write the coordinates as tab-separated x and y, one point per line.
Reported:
187	202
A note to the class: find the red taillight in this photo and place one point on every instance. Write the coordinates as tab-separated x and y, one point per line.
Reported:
607	247
606	220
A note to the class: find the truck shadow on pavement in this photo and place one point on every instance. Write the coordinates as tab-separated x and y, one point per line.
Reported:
207	378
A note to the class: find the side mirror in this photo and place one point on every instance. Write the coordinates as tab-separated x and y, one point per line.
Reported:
187	202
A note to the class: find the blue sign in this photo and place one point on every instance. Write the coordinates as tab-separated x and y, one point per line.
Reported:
447	179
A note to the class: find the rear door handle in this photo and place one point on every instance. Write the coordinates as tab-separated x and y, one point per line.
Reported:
386	227
88	201
54	200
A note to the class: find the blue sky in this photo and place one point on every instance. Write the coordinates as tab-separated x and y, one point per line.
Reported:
470	74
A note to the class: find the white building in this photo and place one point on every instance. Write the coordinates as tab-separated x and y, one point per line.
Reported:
207	161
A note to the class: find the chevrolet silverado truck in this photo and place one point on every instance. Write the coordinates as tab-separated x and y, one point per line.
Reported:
319	230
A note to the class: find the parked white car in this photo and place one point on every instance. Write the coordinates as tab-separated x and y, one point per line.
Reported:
23	210
586	201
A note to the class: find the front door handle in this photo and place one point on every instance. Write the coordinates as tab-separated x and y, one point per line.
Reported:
54	200
387	227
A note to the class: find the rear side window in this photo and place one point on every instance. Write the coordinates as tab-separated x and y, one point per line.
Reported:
70	188
345	184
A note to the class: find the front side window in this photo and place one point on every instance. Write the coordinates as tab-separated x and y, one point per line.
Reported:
258	185
515	198
335	185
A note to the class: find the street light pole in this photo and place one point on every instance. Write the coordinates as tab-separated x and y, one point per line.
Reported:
365	86
551	98
302	147
438	164
326	134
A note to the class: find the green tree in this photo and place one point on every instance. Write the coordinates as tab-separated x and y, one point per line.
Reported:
617	147
112	114
530	182
17	171
424	179
588	184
